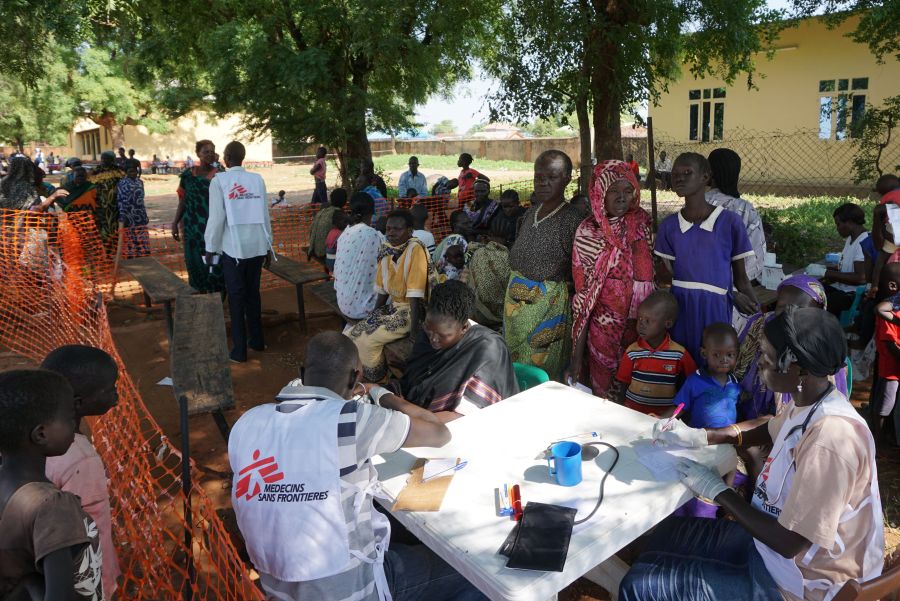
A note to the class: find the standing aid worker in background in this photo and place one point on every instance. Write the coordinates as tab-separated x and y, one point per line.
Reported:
815	519
239	229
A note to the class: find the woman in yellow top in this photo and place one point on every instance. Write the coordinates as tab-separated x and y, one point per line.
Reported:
403	274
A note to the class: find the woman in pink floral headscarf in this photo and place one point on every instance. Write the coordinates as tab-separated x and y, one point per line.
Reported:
612	265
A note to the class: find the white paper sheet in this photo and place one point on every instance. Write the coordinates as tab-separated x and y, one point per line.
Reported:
434	467
660	460
893	213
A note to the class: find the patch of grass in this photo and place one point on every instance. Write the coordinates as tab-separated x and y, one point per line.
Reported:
803	230
393	162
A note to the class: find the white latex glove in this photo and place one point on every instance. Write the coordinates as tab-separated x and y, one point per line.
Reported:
815	270
679	434
700	479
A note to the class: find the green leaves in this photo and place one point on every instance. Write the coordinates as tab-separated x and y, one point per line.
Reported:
871	136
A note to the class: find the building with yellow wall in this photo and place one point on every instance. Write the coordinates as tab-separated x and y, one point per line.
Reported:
88	139
794	126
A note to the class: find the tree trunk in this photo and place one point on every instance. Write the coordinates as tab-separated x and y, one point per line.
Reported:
356	147
584	135
607	124
606	101
356	150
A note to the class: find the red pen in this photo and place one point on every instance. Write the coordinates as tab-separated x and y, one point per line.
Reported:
516	499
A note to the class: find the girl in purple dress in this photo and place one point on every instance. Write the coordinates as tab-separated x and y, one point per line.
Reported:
703	246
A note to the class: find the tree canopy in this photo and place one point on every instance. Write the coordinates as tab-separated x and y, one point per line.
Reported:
594	57
326	71
42	112
443	127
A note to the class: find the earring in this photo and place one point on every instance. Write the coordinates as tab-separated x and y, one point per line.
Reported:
800	386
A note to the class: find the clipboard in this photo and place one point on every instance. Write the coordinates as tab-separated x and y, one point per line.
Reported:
423	496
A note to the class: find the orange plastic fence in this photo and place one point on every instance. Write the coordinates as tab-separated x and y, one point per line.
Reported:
48	299
290	232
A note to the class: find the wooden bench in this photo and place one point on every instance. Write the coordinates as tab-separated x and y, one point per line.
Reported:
396	352
160	285
199	356
297	274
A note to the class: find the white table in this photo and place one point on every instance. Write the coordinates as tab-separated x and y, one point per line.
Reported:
500	443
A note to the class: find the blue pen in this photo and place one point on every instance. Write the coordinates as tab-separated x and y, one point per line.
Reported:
455	468
505	504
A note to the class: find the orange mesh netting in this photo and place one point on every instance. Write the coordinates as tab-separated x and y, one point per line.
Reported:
48	299
290	232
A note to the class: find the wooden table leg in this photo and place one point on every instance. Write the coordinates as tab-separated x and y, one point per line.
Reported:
301	308
609	575
170	323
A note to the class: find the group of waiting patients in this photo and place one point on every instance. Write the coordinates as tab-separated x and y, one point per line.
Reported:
581	300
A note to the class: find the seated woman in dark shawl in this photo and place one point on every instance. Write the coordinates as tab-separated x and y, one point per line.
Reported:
456	366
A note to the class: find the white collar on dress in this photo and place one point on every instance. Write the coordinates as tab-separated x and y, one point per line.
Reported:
708	224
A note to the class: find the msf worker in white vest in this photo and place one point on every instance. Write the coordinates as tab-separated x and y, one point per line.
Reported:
304	481
814	521
239	229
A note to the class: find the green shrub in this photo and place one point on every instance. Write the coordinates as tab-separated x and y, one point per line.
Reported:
804	231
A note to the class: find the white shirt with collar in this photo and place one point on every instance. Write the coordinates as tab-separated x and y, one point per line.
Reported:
418	182
241	228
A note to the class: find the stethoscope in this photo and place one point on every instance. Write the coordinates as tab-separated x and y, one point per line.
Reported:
802	428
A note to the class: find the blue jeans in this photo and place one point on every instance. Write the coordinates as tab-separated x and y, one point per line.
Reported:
697	559
416	573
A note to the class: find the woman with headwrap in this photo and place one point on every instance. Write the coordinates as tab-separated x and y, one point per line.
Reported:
757	399
105	178
20	191
820	483
725	165
192	214
612	266
404	275
456	365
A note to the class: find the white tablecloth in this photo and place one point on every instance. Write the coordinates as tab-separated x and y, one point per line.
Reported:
500	444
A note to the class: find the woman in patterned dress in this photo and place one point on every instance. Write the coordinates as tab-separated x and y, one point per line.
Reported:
612	266
192	213
105	179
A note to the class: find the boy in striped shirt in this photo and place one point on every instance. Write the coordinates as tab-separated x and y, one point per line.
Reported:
655	366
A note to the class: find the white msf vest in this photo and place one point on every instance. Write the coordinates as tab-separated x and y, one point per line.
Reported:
286	493
244	193
774	484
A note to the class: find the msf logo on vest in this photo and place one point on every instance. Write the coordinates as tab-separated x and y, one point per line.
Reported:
265	470
239	192
761	490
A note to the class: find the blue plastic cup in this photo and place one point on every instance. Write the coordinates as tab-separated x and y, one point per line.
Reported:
566	458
